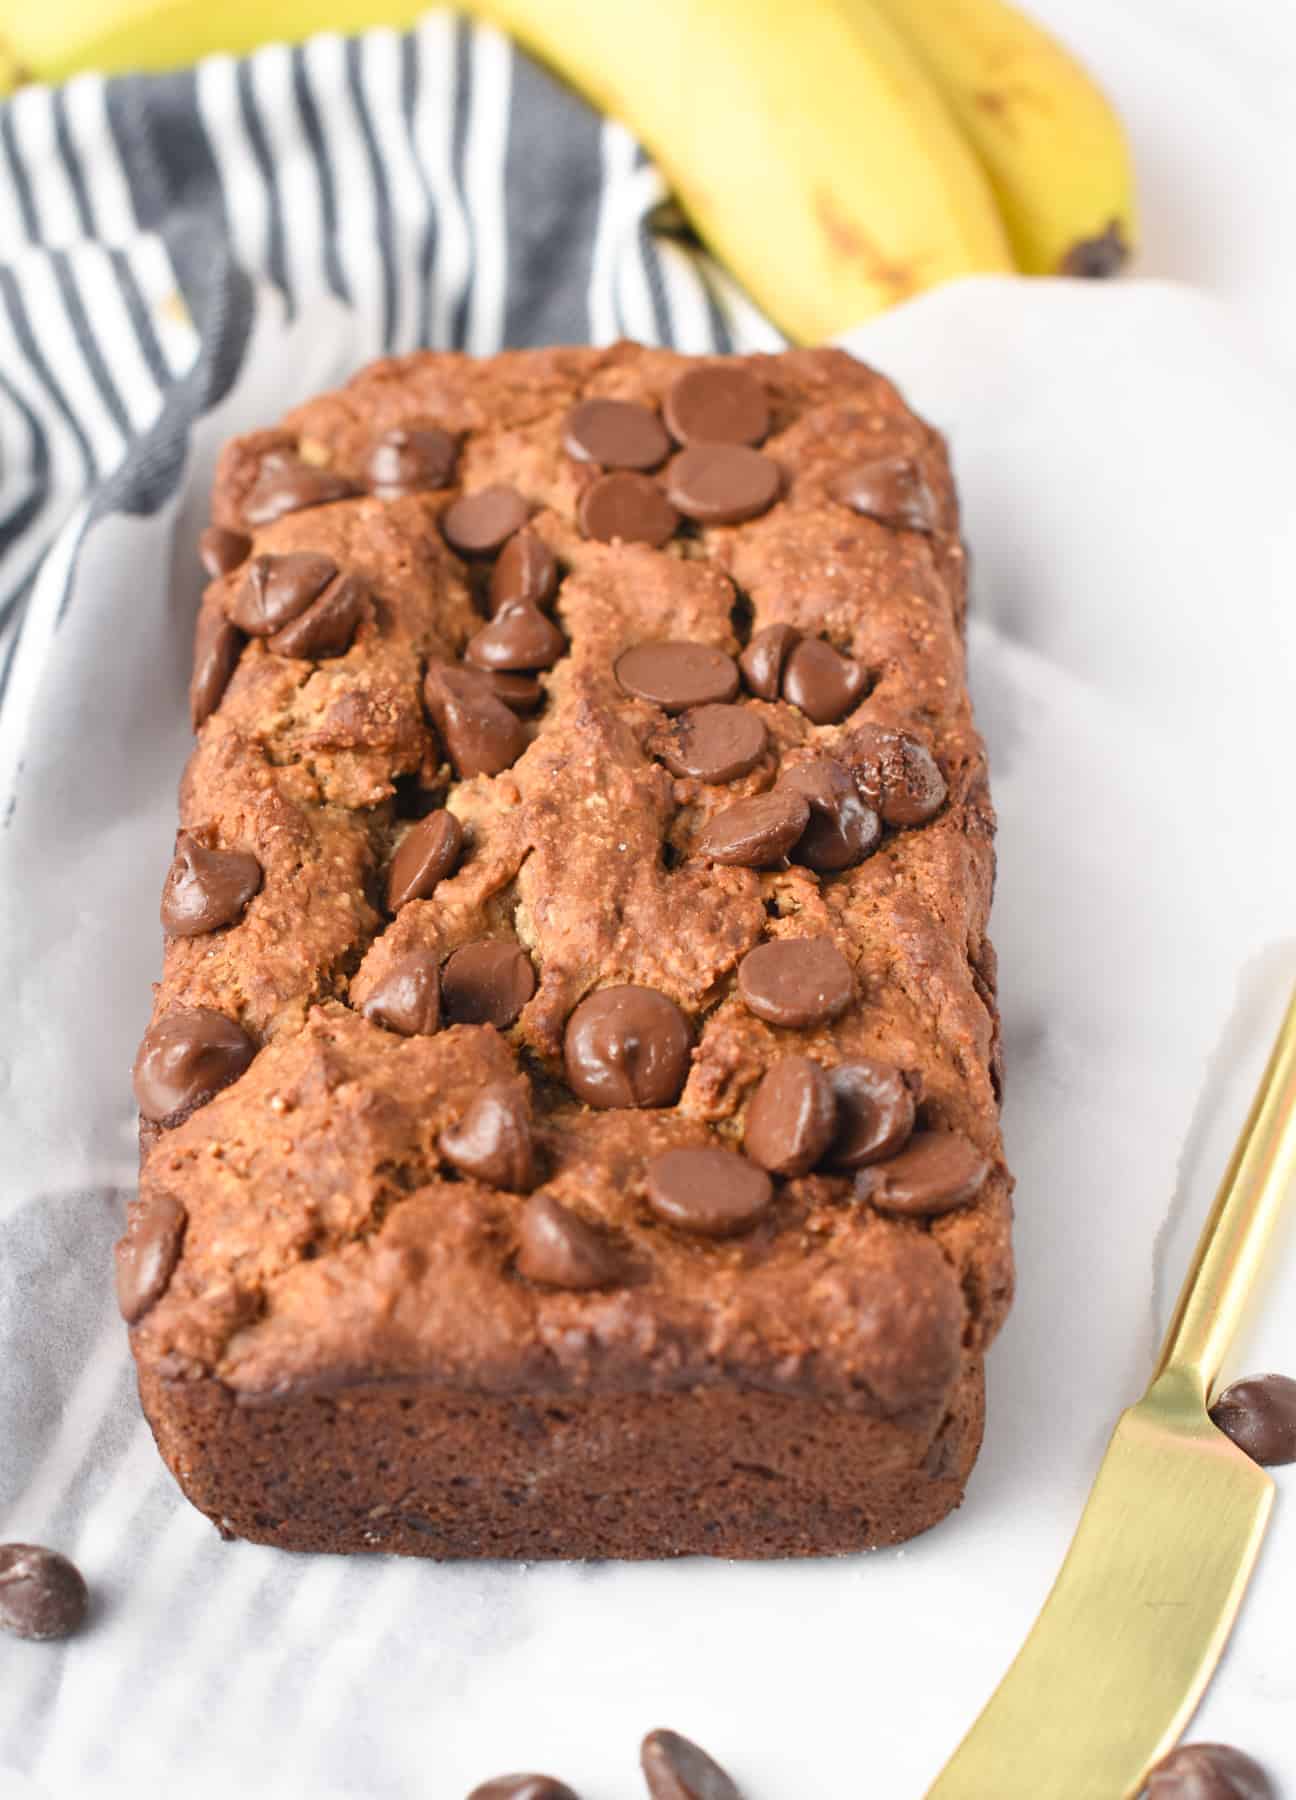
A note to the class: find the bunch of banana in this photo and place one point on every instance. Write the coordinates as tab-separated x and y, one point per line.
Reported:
837	155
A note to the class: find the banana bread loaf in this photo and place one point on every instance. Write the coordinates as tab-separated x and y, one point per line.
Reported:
569	1116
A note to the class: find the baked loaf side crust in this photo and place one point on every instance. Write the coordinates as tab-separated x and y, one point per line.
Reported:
338	1344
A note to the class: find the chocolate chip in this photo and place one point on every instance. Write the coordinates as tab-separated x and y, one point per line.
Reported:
557	1248
755	833
1208	1772
675	676
220	551
822	682
890	489
796	981
934	1173
714	1192
408	998
148	1253
427	854
676	1769
526	569
327	627
518	637
185	1057
717	403
715	743
492	1142
286	484
842	830
628	508
791	1117
520	693
875	1112
523	1787
627	1046
618	434
1259	1414
480	524
411	459
896	774
206	889
279	588
722	484
217	648
481	735
42	1594
487	983
763	659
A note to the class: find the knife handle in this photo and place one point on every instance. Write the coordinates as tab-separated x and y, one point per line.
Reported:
1232	1245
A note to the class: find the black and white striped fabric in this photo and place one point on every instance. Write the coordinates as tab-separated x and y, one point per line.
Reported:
437	183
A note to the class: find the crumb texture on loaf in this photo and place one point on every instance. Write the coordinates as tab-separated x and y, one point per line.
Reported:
434	806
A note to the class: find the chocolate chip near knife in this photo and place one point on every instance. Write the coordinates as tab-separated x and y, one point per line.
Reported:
822	682
427	853
890	489
557	1248
896	774
715	742
205	888
42	1594
523	1787
763	659
481	734
791	1117
1208	1772
407	1000
185	1058
756	833
492	1142
147	1254
526	569
722	484
411	459
628	507
217	648
675	675
487	983
936	1172
796	981
716	1193
675	1768
519	638
1259	1414
616	434
627	1046
875	1112
717	403
842	830
277	588
286	483
327	626
221	551
481	523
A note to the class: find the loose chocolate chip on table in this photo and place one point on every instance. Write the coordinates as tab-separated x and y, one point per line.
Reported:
842	830
755	833
935	1172
875	1113
890	489
217	648
286	484
557	1248
408	998
1208	1772
411	459
627	1046
518	637
520	693
676	676
715	743
821	681
492	1142
526	569
185	1058
481	735
42	1594
523	1787
1259	1414
716	403
327	626
796	981
147	1255
791	1117
896	774
629	507
220	551
427	854
714	1192
722	484
479	524
676	1769
206	889
487	983
277	588
618	434
763	659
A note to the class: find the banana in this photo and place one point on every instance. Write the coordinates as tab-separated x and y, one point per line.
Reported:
1050	142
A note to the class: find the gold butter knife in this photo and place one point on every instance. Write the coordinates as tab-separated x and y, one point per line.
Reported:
1142	1608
